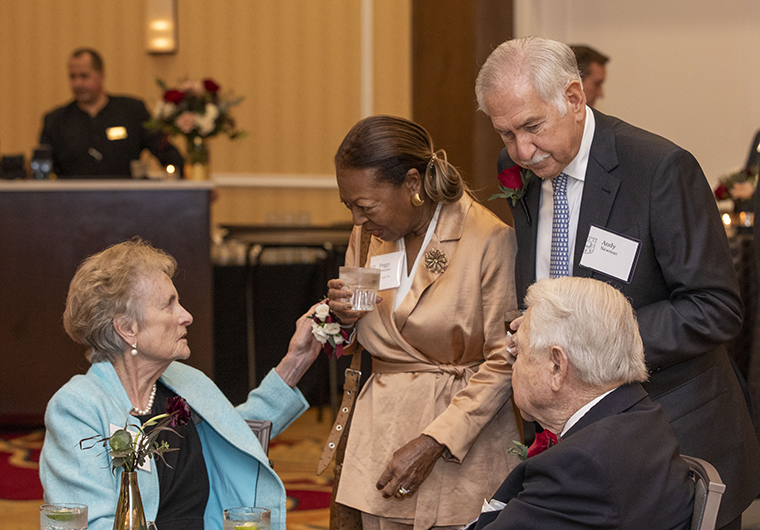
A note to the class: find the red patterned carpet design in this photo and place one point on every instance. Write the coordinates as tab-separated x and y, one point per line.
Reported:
294	454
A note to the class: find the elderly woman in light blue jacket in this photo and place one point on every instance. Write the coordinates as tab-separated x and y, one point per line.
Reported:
123	306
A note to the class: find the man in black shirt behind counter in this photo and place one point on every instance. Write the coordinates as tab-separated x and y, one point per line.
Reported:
98	135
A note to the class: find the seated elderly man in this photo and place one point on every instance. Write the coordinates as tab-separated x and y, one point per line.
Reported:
579	364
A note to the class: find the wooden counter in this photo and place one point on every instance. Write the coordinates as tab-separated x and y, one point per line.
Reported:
46	229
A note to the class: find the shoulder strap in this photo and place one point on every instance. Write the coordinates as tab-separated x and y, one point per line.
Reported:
350	386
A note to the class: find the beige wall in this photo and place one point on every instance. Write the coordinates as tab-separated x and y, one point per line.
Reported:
688	70
297	62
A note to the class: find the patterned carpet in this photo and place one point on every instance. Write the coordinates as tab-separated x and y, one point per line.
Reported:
294	453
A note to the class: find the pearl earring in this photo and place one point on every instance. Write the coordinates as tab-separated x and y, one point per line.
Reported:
133	351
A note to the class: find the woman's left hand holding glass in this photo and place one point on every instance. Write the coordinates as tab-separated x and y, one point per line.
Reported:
409	467
339	296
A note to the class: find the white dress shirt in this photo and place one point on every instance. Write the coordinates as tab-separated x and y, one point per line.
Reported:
582	412
576	170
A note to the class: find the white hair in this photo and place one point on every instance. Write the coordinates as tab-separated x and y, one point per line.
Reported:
548	65
593	323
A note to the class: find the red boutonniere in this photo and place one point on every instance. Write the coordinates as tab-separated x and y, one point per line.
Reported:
512	184
544	440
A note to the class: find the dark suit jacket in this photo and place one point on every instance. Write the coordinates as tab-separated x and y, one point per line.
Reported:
618	467
684	290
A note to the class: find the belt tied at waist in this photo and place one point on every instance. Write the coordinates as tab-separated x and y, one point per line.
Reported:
457	370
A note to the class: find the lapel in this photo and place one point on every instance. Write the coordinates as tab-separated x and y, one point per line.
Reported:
447	232
599	188
525	214
622	398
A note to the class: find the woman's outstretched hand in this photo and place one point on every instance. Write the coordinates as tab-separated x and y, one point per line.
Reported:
302	351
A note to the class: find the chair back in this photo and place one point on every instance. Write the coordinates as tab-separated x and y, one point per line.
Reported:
708	491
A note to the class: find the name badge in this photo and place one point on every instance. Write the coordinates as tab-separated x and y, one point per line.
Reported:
611	254
390	269
113	428
116	133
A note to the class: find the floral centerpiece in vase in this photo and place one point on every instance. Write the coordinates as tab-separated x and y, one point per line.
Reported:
197	111
739	185
129	449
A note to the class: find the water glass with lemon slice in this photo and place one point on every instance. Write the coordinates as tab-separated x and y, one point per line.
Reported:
63	517
244	518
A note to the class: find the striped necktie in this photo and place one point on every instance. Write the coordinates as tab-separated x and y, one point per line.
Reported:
560	255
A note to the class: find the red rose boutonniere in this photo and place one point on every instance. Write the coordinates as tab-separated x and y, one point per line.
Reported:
512	184
544	440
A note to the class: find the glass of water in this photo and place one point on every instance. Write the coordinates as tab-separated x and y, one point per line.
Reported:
363	284
245	518
63	517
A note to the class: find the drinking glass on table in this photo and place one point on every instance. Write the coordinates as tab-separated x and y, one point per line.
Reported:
63	517
244	518
363	283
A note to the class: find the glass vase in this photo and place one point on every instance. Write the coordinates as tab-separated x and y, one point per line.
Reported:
196	160
129	510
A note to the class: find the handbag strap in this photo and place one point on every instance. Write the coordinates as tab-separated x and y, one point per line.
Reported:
350	390
350	386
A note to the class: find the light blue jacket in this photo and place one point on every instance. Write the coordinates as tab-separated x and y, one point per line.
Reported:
238	470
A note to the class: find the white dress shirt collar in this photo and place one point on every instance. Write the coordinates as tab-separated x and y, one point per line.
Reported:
582	412
577	167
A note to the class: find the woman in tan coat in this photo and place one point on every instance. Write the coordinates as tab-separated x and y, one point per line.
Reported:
433	424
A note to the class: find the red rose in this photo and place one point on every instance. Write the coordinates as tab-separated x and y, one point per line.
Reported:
510	178
179	410
210	85
721	192
174	96
544	440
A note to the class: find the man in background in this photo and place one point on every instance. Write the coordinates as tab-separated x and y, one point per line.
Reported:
607	200
97	134
591	67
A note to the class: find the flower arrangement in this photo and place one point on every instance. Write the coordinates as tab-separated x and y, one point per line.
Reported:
194	109
738	185
512	184
327	330
130	452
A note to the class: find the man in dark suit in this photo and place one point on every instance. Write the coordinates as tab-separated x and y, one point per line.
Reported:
617	464
634	210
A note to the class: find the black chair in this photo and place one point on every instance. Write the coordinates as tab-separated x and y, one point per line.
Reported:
708	491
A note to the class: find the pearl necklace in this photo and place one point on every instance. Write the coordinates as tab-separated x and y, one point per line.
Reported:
146	410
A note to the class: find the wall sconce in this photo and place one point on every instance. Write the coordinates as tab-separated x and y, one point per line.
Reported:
161	26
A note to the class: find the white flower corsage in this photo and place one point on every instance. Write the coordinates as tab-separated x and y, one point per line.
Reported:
327	330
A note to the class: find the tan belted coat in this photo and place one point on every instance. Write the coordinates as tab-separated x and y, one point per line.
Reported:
440	367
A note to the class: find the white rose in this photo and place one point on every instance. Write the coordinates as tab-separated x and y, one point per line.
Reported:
318	332
322	311
742	190
332	328
168	109
211	111
338	339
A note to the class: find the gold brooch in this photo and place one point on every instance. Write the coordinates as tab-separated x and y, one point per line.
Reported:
436	261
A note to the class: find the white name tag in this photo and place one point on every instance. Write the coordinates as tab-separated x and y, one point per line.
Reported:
390	269
610	254
133	432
